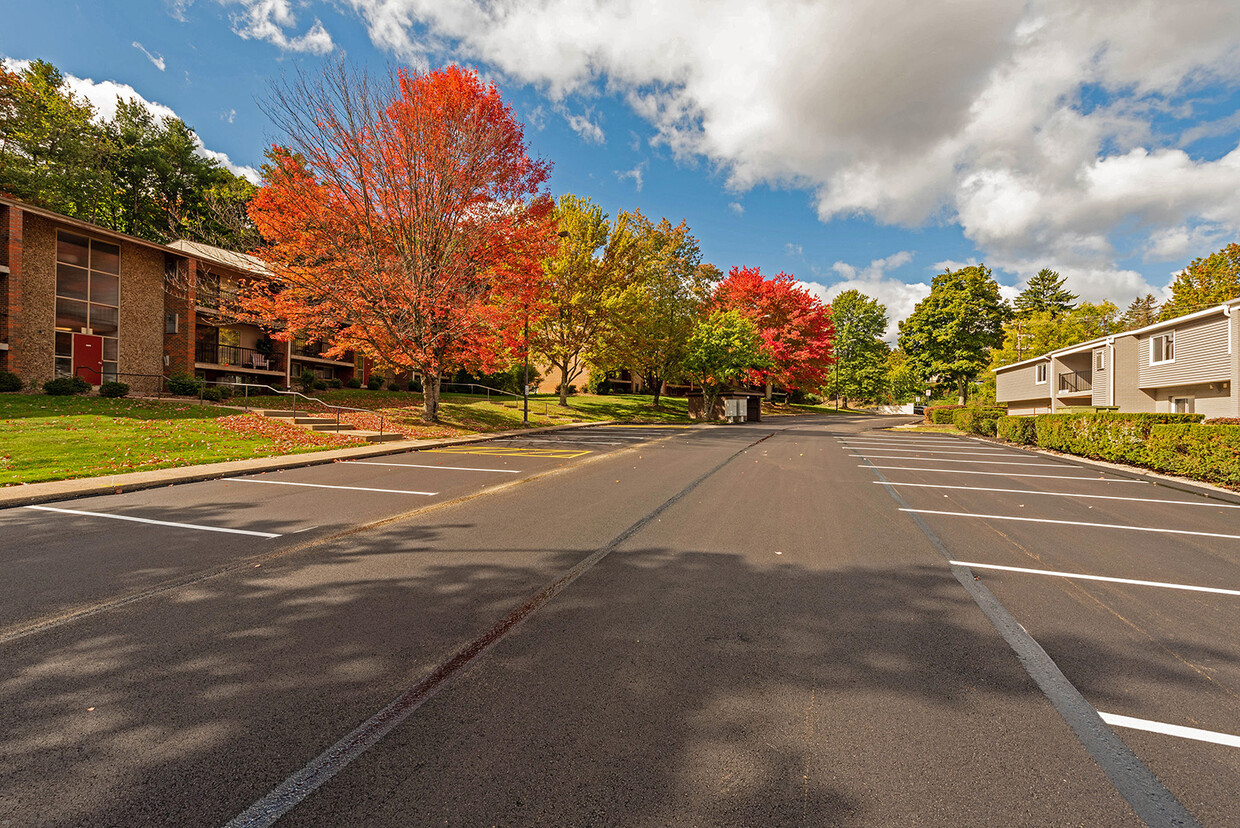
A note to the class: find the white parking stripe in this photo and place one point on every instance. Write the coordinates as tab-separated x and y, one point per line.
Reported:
906	441
1001	474
1171	730
937	451
1210	503
157	522
948	460
325	486
416	466
1077	523
536	440
1108	579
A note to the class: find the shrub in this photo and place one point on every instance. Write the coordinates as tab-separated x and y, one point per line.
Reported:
1203	452
941	414
415	386
353	382
185	385
10	382
375	384
1016	429
307	380
1104	436
334	383
113	389
1211	421
213	394
65	386
394	386
319	385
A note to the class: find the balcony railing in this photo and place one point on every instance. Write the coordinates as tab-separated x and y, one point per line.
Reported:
316	351
1075	382
235	357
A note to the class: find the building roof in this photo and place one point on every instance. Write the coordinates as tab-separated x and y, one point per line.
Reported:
220	256
84	226
1102	340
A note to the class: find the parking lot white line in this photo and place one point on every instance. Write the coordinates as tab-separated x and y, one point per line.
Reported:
1077	523
1001	474
157	522
416	466
1171	730
1211	503
1107	578
937	451
906	441
949	460
325	486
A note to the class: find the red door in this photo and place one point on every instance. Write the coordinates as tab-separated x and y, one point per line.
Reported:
88	358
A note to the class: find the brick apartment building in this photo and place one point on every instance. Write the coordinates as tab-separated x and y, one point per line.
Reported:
79	299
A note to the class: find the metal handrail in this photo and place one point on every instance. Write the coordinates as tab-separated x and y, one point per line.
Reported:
295	394
488	388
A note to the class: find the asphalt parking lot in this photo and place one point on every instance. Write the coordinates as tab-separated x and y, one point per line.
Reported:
802	621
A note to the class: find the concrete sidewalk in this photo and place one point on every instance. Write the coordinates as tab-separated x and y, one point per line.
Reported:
25	495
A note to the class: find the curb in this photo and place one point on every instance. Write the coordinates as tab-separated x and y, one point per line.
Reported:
1182	484
134	481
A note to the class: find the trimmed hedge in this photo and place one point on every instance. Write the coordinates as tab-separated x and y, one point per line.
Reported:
1203	452
1020	430
941	414
66	386
114	389
1212	421
977	420
10	382
1105	436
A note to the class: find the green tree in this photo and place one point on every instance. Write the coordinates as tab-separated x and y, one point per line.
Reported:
1045	293
1143	311
901	380
584	285
656	313
51	149
950	333
723	348
860	353
1209	281
1041	332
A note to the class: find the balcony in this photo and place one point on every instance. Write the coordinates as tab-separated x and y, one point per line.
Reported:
245	359
316	351
1075	382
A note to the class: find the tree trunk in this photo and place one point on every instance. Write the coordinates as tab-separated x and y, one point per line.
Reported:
769	388
964	392
430	397
563	387
657	385
709	398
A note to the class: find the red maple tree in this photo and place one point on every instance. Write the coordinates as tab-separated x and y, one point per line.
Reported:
795	326
404	220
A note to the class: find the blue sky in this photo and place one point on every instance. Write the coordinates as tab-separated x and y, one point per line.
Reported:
851	145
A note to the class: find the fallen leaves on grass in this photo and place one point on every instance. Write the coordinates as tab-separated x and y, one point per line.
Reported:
284	435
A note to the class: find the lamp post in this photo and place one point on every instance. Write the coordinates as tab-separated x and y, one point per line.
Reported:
525	376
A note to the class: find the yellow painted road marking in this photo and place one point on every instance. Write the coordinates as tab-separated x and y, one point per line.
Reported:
634	425
563	454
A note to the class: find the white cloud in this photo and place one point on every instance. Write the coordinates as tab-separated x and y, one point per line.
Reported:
230	116
638	174
585	128
737	207
793	249
269	19
970	111
874	281
157	60
178	8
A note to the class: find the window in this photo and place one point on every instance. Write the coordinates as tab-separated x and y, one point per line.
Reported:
1039	374
1100	360
1162	348
88	298
1181	405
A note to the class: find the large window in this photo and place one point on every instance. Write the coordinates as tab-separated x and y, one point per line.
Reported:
1162	348
88	298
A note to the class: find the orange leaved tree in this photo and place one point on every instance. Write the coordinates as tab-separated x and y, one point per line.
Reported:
403	218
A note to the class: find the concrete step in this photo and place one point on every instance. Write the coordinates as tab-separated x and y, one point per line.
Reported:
374	436
326	425
274	413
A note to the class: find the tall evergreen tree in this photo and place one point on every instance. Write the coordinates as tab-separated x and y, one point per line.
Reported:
1045	293
1209	281
950	333
1143	311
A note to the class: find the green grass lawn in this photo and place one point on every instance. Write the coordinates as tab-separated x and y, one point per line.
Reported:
57	438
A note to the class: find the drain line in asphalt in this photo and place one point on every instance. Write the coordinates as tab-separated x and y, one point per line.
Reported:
293	790
1148	797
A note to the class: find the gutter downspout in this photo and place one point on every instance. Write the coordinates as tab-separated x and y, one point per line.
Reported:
1230	315
1111	370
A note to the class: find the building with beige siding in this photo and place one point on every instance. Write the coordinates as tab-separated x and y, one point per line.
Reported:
1190	364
